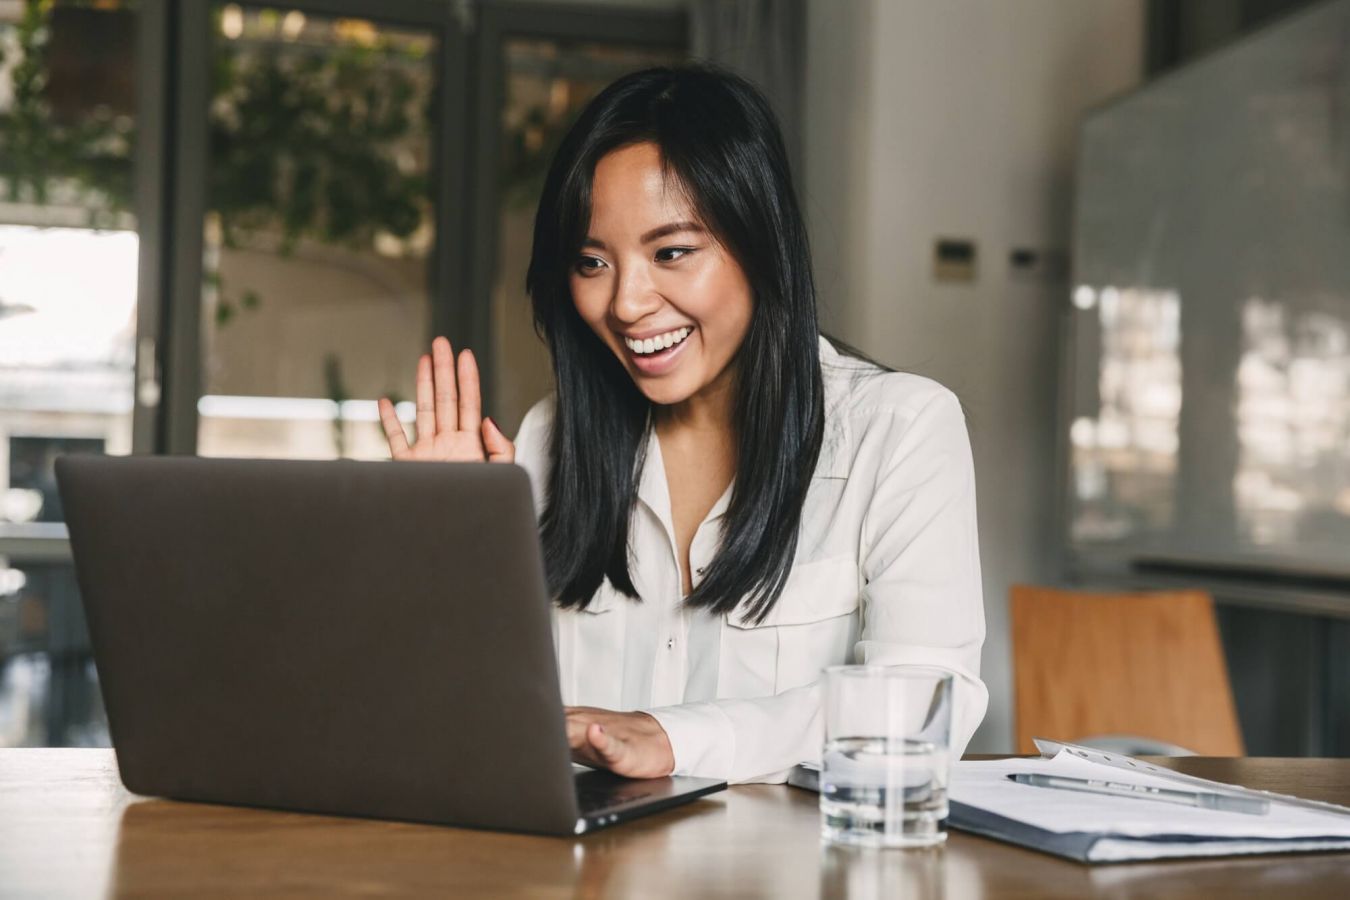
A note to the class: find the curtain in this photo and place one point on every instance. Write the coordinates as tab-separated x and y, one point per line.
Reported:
765	41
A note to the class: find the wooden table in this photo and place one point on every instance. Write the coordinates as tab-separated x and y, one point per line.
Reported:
68	828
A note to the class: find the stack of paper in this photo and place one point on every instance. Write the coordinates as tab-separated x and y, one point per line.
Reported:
1100	828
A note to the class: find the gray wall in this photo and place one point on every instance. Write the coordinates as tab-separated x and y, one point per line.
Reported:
959	119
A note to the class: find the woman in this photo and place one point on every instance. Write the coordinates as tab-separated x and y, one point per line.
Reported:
727	503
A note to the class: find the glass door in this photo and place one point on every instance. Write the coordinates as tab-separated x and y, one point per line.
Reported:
69	248
323	199
227	228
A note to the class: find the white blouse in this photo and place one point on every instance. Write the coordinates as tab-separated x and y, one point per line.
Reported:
887	571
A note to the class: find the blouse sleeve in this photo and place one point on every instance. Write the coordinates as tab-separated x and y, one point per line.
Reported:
532	449
922	604
924	600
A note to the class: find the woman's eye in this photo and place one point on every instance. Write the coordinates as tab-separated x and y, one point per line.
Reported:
584	265
683	251
589	265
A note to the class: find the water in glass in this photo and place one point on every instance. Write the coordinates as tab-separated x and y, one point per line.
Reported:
883	793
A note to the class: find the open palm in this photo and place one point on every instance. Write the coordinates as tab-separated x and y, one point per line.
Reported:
450	423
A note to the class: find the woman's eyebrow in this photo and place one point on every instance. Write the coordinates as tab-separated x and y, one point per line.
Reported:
655	234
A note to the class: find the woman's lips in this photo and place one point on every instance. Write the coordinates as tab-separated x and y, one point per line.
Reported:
661	361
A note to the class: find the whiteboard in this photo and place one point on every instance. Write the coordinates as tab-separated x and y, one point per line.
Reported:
1208	363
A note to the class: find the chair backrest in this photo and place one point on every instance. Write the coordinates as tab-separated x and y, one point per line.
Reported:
1149	665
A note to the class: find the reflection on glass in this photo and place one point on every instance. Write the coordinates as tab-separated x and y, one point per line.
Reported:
1293	419
68	257
49	692
1124	458
548	81
317	282
67	116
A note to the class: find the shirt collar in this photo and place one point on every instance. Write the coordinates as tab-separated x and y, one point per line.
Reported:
835	447
654	491
837	373
652	487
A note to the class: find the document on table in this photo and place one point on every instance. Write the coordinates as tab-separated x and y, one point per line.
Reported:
1100	828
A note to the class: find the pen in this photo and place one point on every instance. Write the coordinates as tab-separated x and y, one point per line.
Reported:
1202	799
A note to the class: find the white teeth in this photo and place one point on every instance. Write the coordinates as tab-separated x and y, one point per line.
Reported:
660	342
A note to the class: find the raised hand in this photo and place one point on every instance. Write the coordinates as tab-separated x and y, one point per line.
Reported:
450	423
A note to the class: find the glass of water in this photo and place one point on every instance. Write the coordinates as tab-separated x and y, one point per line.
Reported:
883	775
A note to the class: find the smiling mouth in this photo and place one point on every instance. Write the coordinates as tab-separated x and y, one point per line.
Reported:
660	342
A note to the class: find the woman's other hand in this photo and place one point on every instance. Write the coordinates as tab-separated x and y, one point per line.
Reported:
450	423
627	743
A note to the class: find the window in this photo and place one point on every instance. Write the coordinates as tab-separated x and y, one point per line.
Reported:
228	228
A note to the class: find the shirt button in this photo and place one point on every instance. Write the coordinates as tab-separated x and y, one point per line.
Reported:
699	570
670	643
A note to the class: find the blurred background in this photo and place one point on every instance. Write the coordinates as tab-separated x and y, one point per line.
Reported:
1118	229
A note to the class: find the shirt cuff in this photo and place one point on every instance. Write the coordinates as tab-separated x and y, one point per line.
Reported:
701	737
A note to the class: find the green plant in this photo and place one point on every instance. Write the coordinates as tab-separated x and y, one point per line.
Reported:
315	142
336	387
41	152
305	142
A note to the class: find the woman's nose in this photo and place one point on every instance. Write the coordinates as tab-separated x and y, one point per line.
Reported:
634	295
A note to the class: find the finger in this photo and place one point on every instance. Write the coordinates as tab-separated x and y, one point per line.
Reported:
499	447
470	400
609	747
576	732
443	367
393	428
426	409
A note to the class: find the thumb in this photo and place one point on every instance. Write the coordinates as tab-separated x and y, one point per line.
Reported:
611	749
499	447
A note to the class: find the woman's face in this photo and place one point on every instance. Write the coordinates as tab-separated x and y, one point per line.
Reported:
659	290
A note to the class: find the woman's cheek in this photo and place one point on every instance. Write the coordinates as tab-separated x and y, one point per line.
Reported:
583	297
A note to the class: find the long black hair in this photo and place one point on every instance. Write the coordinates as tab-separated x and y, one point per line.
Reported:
721	142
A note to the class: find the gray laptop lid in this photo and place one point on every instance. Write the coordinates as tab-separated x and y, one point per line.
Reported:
263	637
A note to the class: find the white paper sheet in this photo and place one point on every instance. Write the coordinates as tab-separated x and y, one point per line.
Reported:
985	785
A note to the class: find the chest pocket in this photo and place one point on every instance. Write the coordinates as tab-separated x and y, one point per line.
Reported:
590	651
814	624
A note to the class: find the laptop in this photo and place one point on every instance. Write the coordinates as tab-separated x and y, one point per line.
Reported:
342	637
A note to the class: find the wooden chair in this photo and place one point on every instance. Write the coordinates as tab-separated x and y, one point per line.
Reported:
1146	665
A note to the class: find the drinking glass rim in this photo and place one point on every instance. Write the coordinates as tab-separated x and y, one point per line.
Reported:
901	670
